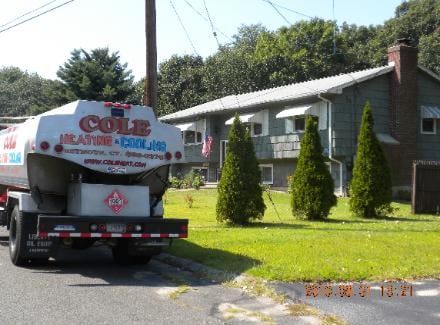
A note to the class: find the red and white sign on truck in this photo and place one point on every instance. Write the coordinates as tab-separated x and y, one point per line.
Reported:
86	172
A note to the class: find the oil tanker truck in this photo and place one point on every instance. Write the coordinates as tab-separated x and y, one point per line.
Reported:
86	172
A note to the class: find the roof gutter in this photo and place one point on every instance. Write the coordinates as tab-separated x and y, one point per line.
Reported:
330	141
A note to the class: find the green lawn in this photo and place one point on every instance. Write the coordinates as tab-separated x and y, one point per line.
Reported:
403	246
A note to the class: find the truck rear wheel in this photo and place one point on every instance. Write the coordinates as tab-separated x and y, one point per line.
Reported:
17	238
122	256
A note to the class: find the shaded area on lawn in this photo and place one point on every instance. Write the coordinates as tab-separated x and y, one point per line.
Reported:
236	263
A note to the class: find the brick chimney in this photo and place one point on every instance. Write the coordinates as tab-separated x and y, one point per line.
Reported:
403	114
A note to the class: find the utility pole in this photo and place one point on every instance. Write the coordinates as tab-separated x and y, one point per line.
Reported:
150	98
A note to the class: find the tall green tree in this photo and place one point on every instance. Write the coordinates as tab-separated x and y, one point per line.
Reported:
418	20
370	190
234	69
96	75
240	196
136	97
300	52
429	51
312	188
180	84
23	93
54	94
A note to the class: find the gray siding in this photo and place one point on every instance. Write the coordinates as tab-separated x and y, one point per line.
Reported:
282	168
428	145
348	107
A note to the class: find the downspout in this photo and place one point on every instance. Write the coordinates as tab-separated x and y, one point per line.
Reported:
330	141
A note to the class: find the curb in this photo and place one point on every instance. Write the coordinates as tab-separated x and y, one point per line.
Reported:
200	269
222	276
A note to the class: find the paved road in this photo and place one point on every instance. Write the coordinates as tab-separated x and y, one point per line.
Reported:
86	287
373	303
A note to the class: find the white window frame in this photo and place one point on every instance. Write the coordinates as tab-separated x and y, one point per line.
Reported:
318	110
250	125
222	158
261	170
201	167
195	138
427	132
292	120
260	117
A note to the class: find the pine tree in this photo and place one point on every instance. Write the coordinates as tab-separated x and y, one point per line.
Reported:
312	187
240	197
370	190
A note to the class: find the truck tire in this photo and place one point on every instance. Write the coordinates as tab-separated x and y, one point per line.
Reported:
122	256
17	238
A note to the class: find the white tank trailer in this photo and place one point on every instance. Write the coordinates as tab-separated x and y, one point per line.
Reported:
86	172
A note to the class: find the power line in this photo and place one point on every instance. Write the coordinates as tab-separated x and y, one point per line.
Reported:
279	13
288	9
183	27
27	13
206	19
36	16
212	25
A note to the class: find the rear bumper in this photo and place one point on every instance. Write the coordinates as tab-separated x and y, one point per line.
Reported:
79	227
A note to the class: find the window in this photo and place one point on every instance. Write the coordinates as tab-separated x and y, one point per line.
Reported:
202	172
300	124
192	133
429	126
266	173
295	117
192	137
257	123
257	129
295	124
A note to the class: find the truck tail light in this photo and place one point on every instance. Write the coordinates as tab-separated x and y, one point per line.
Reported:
44	145
127	106
168	156
93	227
108	104
178	155
58	148
102	227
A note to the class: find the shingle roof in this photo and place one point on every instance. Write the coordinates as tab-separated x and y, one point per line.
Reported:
333	84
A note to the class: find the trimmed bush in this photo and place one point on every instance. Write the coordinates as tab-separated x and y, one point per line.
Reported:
370	189
240	196
312	187
191	180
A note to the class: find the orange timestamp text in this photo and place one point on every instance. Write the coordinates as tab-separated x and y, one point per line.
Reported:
362	290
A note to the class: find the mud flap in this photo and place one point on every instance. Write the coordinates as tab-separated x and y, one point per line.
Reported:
34	246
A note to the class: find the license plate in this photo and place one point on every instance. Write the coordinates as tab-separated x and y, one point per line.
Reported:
116	227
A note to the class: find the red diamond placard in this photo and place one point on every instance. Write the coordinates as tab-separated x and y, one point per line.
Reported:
115	201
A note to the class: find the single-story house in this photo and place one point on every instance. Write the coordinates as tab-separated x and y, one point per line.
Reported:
405	98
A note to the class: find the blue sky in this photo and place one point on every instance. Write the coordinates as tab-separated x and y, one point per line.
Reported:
45	43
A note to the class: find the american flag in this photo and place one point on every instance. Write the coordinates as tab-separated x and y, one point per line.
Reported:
207	144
